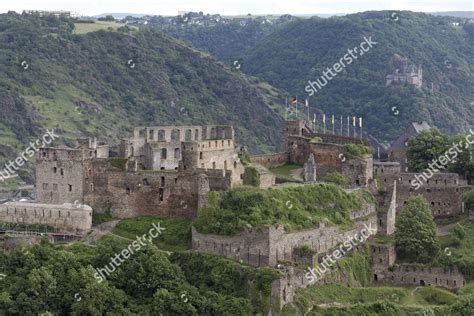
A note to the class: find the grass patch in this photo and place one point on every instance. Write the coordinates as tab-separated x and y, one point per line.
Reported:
462	254
335	177
384	239
339	296
175	237
84	28
119	163
285	172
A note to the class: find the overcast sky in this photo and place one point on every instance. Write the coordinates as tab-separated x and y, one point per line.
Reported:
171	7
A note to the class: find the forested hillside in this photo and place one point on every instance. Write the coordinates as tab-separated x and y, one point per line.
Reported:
104	83
300	50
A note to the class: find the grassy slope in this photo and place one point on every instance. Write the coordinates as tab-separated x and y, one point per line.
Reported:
176	235
285	172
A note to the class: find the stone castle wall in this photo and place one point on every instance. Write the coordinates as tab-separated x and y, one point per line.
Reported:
65	217
284	289
271	160
443	193
385	270
267	246
166	193
358	171
59	174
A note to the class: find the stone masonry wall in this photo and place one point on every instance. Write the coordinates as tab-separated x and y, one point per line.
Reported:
157	193
267	246
443	193
59	175
385	270
65	217
271	160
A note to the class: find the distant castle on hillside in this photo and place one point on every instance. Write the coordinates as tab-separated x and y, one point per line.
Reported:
405	72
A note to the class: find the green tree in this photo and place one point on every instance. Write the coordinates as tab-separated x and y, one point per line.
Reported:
469	200
415	232
107	18
463	164
425	147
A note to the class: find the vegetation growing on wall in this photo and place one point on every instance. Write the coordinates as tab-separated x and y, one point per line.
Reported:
335	177
354	151
296	207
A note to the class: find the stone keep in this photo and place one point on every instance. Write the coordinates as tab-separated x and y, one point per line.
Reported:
310	170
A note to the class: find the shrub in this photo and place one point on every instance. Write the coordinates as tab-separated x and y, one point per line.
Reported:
304	251
251	176
335	177
356	151
459	231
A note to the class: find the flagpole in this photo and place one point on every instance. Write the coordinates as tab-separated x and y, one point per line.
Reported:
332	121
354	125
286	108
297	108
348	132
307	106
360	123
324	123
341	125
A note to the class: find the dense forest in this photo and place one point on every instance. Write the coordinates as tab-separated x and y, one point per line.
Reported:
290	54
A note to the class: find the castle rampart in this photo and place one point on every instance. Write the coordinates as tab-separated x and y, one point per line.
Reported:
64	217
270	245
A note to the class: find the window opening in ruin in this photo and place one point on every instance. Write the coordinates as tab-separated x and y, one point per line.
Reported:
160	194
70	187
162	181
55	170
200	155
214	165
145	181
163	153
62	171
161	135
176	153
